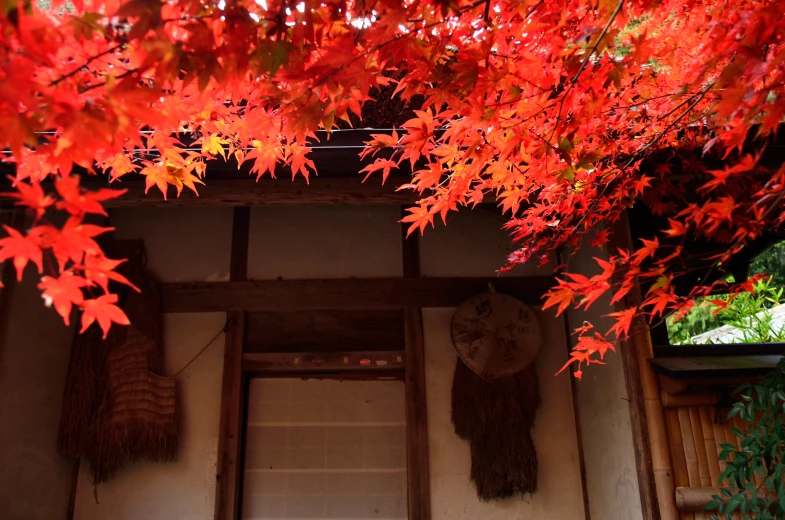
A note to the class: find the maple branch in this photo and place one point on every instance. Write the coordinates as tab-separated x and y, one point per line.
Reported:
110	50
87	88
583	66
597	43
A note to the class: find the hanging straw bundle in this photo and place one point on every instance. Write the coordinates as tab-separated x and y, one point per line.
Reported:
116	407
495	414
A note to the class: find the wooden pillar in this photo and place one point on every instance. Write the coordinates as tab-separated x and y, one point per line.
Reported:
15	218
655	477
418	479
227	490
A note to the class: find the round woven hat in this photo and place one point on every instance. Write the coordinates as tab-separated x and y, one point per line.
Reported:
495	335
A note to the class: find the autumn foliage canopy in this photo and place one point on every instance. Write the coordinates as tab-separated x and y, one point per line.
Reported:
554	108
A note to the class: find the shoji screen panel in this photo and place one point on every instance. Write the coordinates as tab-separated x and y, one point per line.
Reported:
325	449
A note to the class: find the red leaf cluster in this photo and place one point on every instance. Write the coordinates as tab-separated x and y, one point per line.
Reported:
553	108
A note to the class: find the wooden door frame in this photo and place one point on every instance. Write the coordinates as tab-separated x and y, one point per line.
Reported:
237	377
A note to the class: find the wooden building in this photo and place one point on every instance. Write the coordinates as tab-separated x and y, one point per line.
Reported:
310	341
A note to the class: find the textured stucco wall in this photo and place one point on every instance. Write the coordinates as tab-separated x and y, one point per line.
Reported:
611	476
183	244
330	242
35	480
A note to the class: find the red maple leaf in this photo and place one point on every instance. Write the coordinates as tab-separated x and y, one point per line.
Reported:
560	296
63	292
104	311
77	201
22	249
32	196
623	322
100	269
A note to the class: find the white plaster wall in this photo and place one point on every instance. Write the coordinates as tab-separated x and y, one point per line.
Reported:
603	405
329	242
183	244
310	242
35	480
473	244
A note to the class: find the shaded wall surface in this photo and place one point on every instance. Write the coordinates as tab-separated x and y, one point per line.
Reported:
35	480
611	474
187	244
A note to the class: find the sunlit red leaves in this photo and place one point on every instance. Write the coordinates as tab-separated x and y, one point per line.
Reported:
586	350
419	217
623	321
560	297
534	104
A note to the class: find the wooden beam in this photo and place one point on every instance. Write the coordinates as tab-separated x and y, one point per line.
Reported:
322	362
265	191
719	367
227	491
352	293
740	349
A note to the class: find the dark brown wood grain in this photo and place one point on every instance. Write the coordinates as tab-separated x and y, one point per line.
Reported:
324	330
353	293
417	472
419	494
230	433
266	191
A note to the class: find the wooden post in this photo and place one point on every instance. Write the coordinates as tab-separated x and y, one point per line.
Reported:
15	218
655	477
418	477
227	490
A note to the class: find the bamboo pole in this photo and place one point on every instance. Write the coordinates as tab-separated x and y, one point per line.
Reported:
719	439
730	437
700	447
680	475
695	499
640	340
690	453
710	445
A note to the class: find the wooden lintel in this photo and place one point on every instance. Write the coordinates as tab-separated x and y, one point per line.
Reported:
267	191
352	293
260	363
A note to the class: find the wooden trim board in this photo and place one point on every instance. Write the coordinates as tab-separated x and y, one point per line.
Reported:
321	362
351	293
